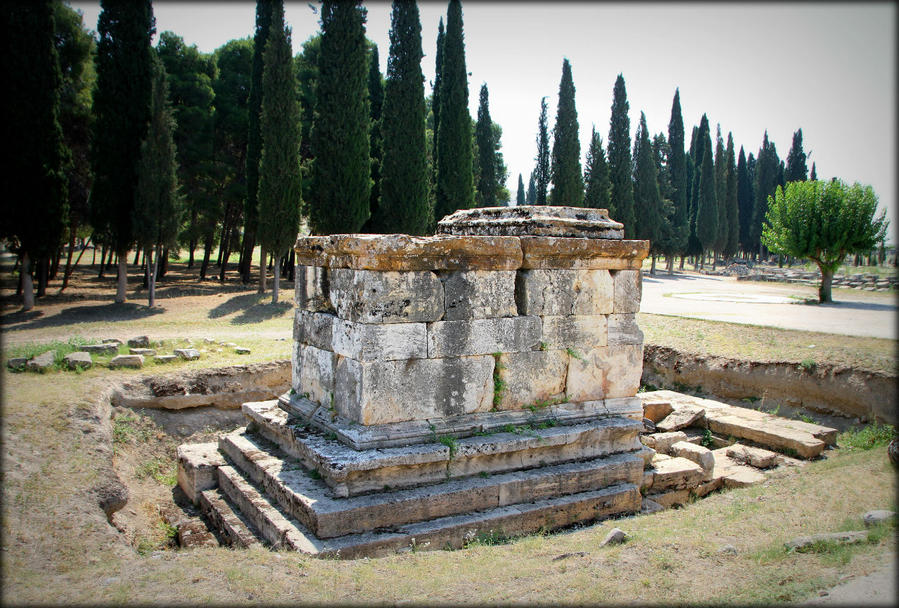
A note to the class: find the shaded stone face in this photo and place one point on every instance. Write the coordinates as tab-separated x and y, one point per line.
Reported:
366	296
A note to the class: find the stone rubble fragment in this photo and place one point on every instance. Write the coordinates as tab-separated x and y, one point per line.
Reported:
188	354
78	360
616	536
139	342
132	361
42	362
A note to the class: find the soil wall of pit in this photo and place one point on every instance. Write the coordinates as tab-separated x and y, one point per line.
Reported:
827	389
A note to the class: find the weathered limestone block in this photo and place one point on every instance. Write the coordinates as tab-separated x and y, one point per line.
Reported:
662	442
605	373
108	348
623	329
42	362
146	352
682	417
314	328
676	474
164	358
188	354
592	254
311	288
387	342
197	464
479	294
699	454
483	336
139	342
381	392
78	360
757	457
656	410
539	220
134	361
564	292
574	331
531	378
628	291
668	499
368	296
314	373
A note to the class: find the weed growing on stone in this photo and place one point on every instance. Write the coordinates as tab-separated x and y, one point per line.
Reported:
499	385
868	437
574	354
808	365
707	441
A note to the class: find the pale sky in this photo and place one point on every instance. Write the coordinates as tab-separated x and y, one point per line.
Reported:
828	68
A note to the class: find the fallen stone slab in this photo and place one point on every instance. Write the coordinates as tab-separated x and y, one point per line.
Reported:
732	473
146	352
697	453
803	543
707	487
681	418
757	457
133	361
670	498
616	536
107	348
188	354
242	350
662	442
649	506
165	358
764	433
656	410
17	363
676	473
115	341
139	342
42	362
78	360
872	518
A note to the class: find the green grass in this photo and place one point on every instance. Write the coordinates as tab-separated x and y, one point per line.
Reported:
866	438
163	470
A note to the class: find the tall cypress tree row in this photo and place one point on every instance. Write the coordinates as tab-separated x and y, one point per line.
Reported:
767	174
814	174
531	197
720	194
483	131
596	175
677	167
455	189
621	206
733	208
122	111
376	143
707	203
697	152
341	182
519	197
435	103
280	184
745	200
568	183
647	202
542	170
34	194
404	177
797	169
157	206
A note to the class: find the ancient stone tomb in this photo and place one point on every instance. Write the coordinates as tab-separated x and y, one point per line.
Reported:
482	380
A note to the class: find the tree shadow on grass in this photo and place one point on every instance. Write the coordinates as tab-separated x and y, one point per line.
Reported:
107	313
253	308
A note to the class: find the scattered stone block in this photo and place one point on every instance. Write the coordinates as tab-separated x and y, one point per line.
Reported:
563	292
42	362
675	474
188	354
479	294
165	358
681	418
107	348
17	363
78	360
531	378
803	543
697	453
197	464
670	498
367	296
879	516
146	352
763	431
209	340
139	342
623	329
242	350
707	487
656	410
115	341
649	506
482	336
757	457
742	477
132	361
585	331
628	290
662	442
616	536
387	342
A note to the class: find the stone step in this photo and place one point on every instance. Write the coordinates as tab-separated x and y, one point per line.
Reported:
283	532
216	508
350	472
302	496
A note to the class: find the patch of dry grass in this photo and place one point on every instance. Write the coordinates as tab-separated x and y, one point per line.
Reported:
755	343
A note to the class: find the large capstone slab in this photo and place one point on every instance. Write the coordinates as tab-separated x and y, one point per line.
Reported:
532	220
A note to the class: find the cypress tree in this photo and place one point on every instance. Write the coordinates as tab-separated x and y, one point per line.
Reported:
157	207
647	202
766	181
404	177
814	176
596	175
455	189
122	113
677	167
341	182
254	137
280	184
568	183
435	100
720	194
542	171
376	143
796	170
733	209
487	182
531	197
697	152
707	203
745	200
34	194
621	207
519	197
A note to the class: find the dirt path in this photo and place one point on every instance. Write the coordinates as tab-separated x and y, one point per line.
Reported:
875	589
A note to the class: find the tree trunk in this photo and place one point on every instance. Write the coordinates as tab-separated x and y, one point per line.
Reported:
701	261
275	283
136	257
54	267
262	260
70	269
150	280
682	263
207	251
27	284
824	294
163	264
102	261
246	260
652	268
122	282
67	270
43	269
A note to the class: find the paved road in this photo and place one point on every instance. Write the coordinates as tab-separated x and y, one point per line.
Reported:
870	314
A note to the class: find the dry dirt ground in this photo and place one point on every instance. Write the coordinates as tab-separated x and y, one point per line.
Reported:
64	448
